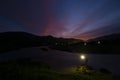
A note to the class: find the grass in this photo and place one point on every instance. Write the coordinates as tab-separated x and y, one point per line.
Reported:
37	71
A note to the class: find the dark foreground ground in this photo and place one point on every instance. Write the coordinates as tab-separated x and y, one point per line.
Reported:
28	70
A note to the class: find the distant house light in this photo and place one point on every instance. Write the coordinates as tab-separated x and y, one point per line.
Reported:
56	43
98	42
85	44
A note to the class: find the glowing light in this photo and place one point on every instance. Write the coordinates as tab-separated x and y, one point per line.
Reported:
98	42
85	44
82	57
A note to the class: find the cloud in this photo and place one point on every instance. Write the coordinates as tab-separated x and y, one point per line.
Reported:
58	17
100	31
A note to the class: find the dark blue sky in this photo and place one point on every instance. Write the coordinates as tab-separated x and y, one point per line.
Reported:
82	19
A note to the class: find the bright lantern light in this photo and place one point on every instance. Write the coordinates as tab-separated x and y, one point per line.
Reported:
82	57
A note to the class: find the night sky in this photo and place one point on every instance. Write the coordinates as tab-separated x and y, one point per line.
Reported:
82	19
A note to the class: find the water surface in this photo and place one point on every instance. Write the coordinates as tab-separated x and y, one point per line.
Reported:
65	60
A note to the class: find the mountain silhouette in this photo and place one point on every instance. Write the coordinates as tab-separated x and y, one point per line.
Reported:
15	40
115	36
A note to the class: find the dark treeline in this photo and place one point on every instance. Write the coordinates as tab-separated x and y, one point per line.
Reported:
16	40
